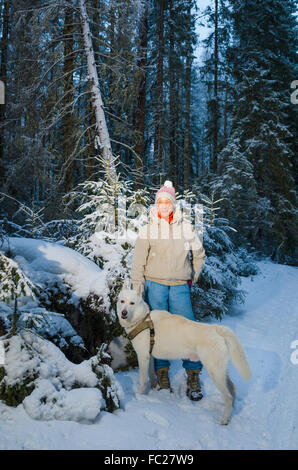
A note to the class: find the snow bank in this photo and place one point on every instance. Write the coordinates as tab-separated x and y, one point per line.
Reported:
38	375
42	261
47	403
265	415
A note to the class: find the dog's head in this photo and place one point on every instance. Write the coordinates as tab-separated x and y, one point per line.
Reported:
131	307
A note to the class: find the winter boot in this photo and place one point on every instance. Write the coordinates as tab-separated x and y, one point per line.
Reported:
163	378
193	391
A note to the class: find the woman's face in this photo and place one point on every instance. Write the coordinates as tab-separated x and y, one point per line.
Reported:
164	206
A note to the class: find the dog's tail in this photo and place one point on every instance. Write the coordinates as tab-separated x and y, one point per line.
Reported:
236	351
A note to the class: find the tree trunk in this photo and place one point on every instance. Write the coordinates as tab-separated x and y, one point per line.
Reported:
141	100
225	124
3	77
215	117
172	97
102	138
68	121
114	50
187	133
159	90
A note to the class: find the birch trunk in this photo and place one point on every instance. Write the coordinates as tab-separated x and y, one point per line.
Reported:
102	138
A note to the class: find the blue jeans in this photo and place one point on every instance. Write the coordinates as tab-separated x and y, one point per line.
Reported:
176	300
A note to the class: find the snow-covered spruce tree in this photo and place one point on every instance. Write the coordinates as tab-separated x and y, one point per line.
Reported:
40	308
264	63
171	42
13	285
236	187
218	283
112	213
102	133
214	73
37	374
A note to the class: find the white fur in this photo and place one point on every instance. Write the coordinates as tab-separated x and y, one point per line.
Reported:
179	338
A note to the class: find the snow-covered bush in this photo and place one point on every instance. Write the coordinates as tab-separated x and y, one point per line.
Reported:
219	280
111	214
218	283
14	283
246	265
43	276
66	299
111	217
37	374
30	223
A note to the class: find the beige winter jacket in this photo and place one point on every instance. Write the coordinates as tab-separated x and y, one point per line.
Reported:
161	252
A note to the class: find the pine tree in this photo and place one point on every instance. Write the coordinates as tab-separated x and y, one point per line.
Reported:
68	124
51	124
189	57
141	97
171	50
215	74
237	187
261	113
14	284
218	284
5	17
111	211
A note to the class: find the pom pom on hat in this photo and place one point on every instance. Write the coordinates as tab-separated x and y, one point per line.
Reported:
166	191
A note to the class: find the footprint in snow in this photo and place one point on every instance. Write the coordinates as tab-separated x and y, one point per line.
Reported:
155	418
185	407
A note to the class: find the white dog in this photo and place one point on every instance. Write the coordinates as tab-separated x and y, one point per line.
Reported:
179	338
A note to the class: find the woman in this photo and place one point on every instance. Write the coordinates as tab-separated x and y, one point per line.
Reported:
161	269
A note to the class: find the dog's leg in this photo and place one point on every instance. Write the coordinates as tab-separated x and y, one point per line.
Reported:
152	375
231	387
143	361
228	401
221	382
217	370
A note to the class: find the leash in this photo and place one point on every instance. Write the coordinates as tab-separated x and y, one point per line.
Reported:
146	323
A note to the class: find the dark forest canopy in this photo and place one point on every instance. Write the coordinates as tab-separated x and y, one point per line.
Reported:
225	126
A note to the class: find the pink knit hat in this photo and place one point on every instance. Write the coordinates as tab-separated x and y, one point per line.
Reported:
167	191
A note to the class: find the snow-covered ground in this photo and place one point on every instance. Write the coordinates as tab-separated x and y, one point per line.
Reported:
265	415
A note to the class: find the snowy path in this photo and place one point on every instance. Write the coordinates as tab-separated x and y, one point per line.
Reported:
265	415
